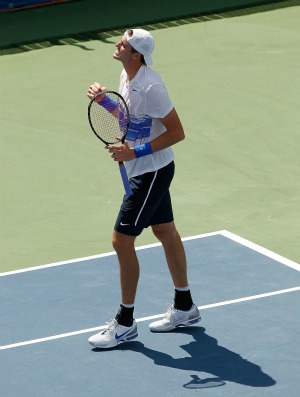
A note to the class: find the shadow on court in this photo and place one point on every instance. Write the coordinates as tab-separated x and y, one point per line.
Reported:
205	355
80	21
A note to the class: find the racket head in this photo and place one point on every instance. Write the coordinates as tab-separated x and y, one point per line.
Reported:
108	116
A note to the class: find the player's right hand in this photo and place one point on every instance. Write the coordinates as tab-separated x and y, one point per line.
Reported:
95	89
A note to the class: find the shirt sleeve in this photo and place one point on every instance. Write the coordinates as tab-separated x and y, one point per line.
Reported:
158	103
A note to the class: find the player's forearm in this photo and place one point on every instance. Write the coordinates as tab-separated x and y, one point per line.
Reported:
168	138
174	132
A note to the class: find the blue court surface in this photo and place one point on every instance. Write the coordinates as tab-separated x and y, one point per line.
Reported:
247	343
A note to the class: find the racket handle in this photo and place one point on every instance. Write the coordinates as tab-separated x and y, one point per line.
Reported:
125	179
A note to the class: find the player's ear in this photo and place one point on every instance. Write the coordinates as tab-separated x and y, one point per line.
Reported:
137	56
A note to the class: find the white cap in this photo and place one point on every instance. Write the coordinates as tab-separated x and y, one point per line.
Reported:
143	42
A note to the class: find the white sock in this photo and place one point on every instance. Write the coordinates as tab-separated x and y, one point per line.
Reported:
187	288
128	306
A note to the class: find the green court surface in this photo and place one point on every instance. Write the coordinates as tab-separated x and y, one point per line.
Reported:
235	84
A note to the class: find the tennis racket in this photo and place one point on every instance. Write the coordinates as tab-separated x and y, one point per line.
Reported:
109	120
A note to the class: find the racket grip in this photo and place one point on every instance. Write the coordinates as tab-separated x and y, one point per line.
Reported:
124	176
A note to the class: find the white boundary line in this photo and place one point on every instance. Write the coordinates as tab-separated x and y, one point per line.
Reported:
84	331
86	258
225	233
261	250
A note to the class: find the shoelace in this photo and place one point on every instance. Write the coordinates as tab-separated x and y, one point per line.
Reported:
171	311
174	314
109	327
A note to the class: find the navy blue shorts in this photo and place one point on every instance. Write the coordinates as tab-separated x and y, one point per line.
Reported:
150	203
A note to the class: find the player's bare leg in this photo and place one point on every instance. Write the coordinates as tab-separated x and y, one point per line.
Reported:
123	327
183	312
129	265
175	255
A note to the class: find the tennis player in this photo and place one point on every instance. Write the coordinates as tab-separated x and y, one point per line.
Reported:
149	160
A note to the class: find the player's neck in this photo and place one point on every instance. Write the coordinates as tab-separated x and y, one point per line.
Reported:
132	70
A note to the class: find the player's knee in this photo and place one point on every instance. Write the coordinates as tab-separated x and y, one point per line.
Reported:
116	243
165	232
121	242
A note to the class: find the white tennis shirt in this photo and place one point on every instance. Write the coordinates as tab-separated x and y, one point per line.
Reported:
148	102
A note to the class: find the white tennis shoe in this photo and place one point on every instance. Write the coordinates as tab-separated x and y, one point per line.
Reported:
176	318
113	335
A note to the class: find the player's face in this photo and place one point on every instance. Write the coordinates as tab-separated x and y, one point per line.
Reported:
123	51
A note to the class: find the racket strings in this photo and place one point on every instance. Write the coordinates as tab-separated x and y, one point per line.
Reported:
109	118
